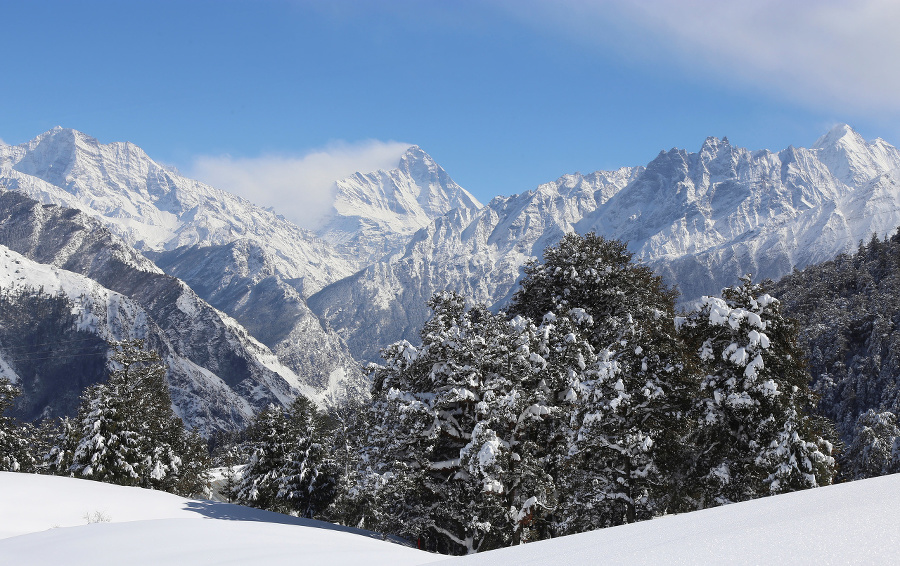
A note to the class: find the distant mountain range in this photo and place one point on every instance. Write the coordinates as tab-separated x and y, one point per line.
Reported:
248	308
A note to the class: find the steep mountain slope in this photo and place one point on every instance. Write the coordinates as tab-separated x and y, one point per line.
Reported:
849	318
154	208
478	253
240	279
85	316
701	219
230	374
374	214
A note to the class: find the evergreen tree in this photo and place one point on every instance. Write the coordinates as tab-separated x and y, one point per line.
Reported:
755	434
126	432
310	474
291	469
16	439
848	313
627	420
875	449
461	428
357	502
258	486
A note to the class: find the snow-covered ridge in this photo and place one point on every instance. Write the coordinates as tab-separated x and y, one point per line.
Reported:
701	219
153	208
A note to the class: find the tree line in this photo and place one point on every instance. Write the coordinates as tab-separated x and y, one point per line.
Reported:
589	403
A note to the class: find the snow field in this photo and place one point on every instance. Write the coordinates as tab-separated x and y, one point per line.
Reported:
851	523
48	520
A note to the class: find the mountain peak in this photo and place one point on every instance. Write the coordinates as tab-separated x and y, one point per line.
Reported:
415	158
712	146
841	134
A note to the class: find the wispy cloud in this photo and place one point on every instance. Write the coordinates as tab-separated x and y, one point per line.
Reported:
831	54
299	187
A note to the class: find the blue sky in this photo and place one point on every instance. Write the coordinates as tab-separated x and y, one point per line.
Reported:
503	94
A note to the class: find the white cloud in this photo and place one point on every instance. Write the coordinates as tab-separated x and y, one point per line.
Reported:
299	187
831	54
2	143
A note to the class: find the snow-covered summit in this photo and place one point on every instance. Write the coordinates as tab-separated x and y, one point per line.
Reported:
851	158
375	213
153	208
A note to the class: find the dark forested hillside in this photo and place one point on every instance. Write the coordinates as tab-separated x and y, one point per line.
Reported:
849	314
53	359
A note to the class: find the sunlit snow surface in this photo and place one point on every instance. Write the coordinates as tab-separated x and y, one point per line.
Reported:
852	523
43	521
47	520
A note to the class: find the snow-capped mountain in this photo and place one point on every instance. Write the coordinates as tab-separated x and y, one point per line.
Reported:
154	209
374	214
219	374
704	219
323	302
241	279
701	219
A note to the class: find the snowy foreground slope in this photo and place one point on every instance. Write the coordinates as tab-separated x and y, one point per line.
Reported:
48	520
43	521
851	523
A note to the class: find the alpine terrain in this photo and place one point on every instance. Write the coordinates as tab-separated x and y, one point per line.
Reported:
248	309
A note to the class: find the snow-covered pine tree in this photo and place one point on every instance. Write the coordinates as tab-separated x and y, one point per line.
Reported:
16	439
564	361
755	434
357	502
310	475
457	424
126	432
291	469
875	448
628	418
258	485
